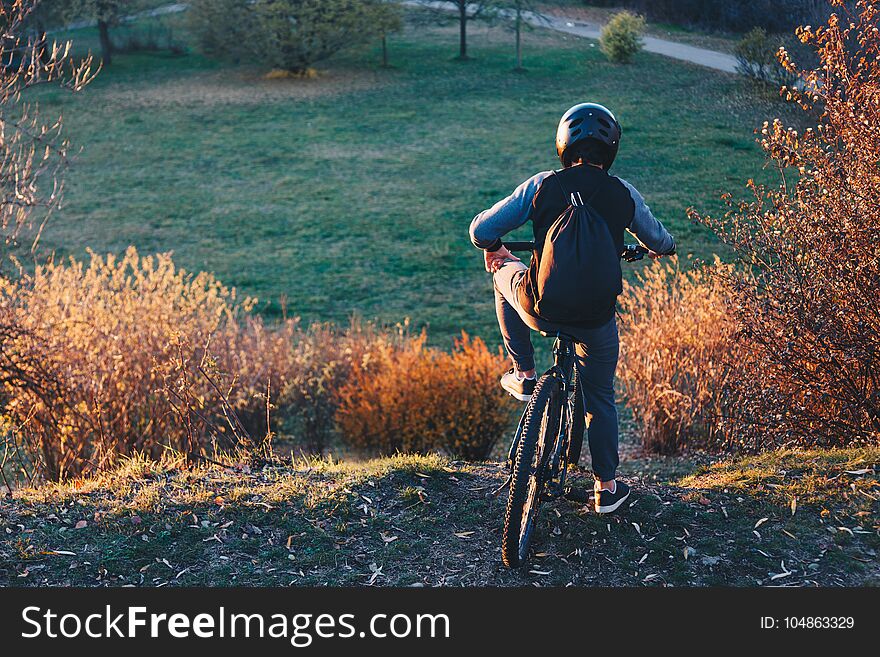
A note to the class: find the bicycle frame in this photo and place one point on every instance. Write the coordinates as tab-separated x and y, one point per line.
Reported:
555	465
542	446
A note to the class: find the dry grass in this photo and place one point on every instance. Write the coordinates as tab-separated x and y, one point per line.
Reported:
677	342
825	477
98	354
134	355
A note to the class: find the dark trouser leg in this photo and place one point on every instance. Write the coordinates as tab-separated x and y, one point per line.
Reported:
514	331
597	363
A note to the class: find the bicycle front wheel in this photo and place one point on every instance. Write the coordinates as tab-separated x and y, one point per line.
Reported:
540	429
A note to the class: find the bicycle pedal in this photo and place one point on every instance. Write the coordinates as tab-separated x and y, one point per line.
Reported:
551	493
577	495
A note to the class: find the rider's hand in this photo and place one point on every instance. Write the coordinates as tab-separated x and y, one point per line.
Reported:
494	259
656	256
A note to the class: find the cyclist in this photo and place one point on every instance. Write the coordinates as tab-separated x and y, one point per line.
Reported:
587	142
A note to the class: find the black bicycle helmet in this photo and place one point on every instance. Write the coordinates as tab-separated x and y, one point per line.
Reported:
587	121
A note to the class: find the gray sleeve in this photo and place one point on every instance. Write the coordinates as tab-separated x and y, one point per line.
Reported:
646	228
508	214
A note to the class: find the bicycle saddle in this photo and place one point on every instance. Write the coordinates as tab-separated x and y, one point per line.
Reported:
560	335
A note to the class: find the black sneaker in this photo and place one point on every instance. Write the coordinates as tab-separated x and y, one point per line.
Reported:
608	501
522	389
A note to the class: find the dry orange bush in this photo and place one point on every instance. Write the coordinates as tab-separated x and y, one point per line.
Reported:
405	397
782	348
133	355
677	344
806	298
87	375
299	371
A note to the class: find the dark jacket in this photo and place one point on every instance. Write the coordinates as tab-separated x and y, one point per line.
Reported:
541	200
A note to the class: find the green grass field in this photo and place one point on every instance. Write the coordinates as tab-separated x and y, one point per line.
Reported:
353	193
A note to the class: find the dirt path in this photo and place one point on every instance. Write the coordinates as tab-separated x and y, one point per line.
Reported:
701	56
427	521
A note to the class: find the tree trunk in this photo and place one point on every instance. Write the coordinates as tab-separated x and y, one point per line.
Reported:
462	29
519	66
106	44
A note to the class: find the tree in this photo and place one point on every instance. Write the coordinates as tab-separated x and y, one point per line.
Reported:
290	35
32	152
621	37
519	10
106	13
388	21
466	10
805	297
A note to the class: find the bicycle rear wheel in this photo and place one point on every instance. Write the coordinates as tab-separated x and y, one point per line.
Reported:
540	429
577	426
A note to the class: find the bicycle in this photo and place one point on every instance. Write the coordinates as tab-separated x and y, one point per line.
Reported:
548	438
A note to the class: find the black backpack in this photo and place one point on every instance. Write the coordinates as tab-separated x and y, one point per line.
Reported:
578	273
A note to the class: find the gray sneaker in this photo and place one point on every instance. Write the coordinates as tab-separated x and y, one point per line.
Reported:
521	389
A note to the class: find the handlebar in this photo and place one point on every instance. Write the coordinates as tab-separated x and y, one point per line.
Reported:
520	246
631	252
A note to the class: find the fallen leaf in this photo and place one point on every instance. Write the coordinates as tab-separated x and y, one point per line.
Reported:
464	534
761	522
793	505
388	539
82	524
779	576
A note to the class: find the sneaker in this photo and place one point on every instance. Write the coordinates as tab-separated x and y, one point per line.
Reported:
521	388
608	501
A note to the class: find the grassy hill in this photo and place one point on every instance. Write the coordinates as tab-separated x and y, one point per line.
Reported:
352	192
788	518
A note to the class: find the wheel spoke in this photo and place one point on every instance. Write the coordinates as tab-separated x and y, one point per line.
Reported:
536	440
